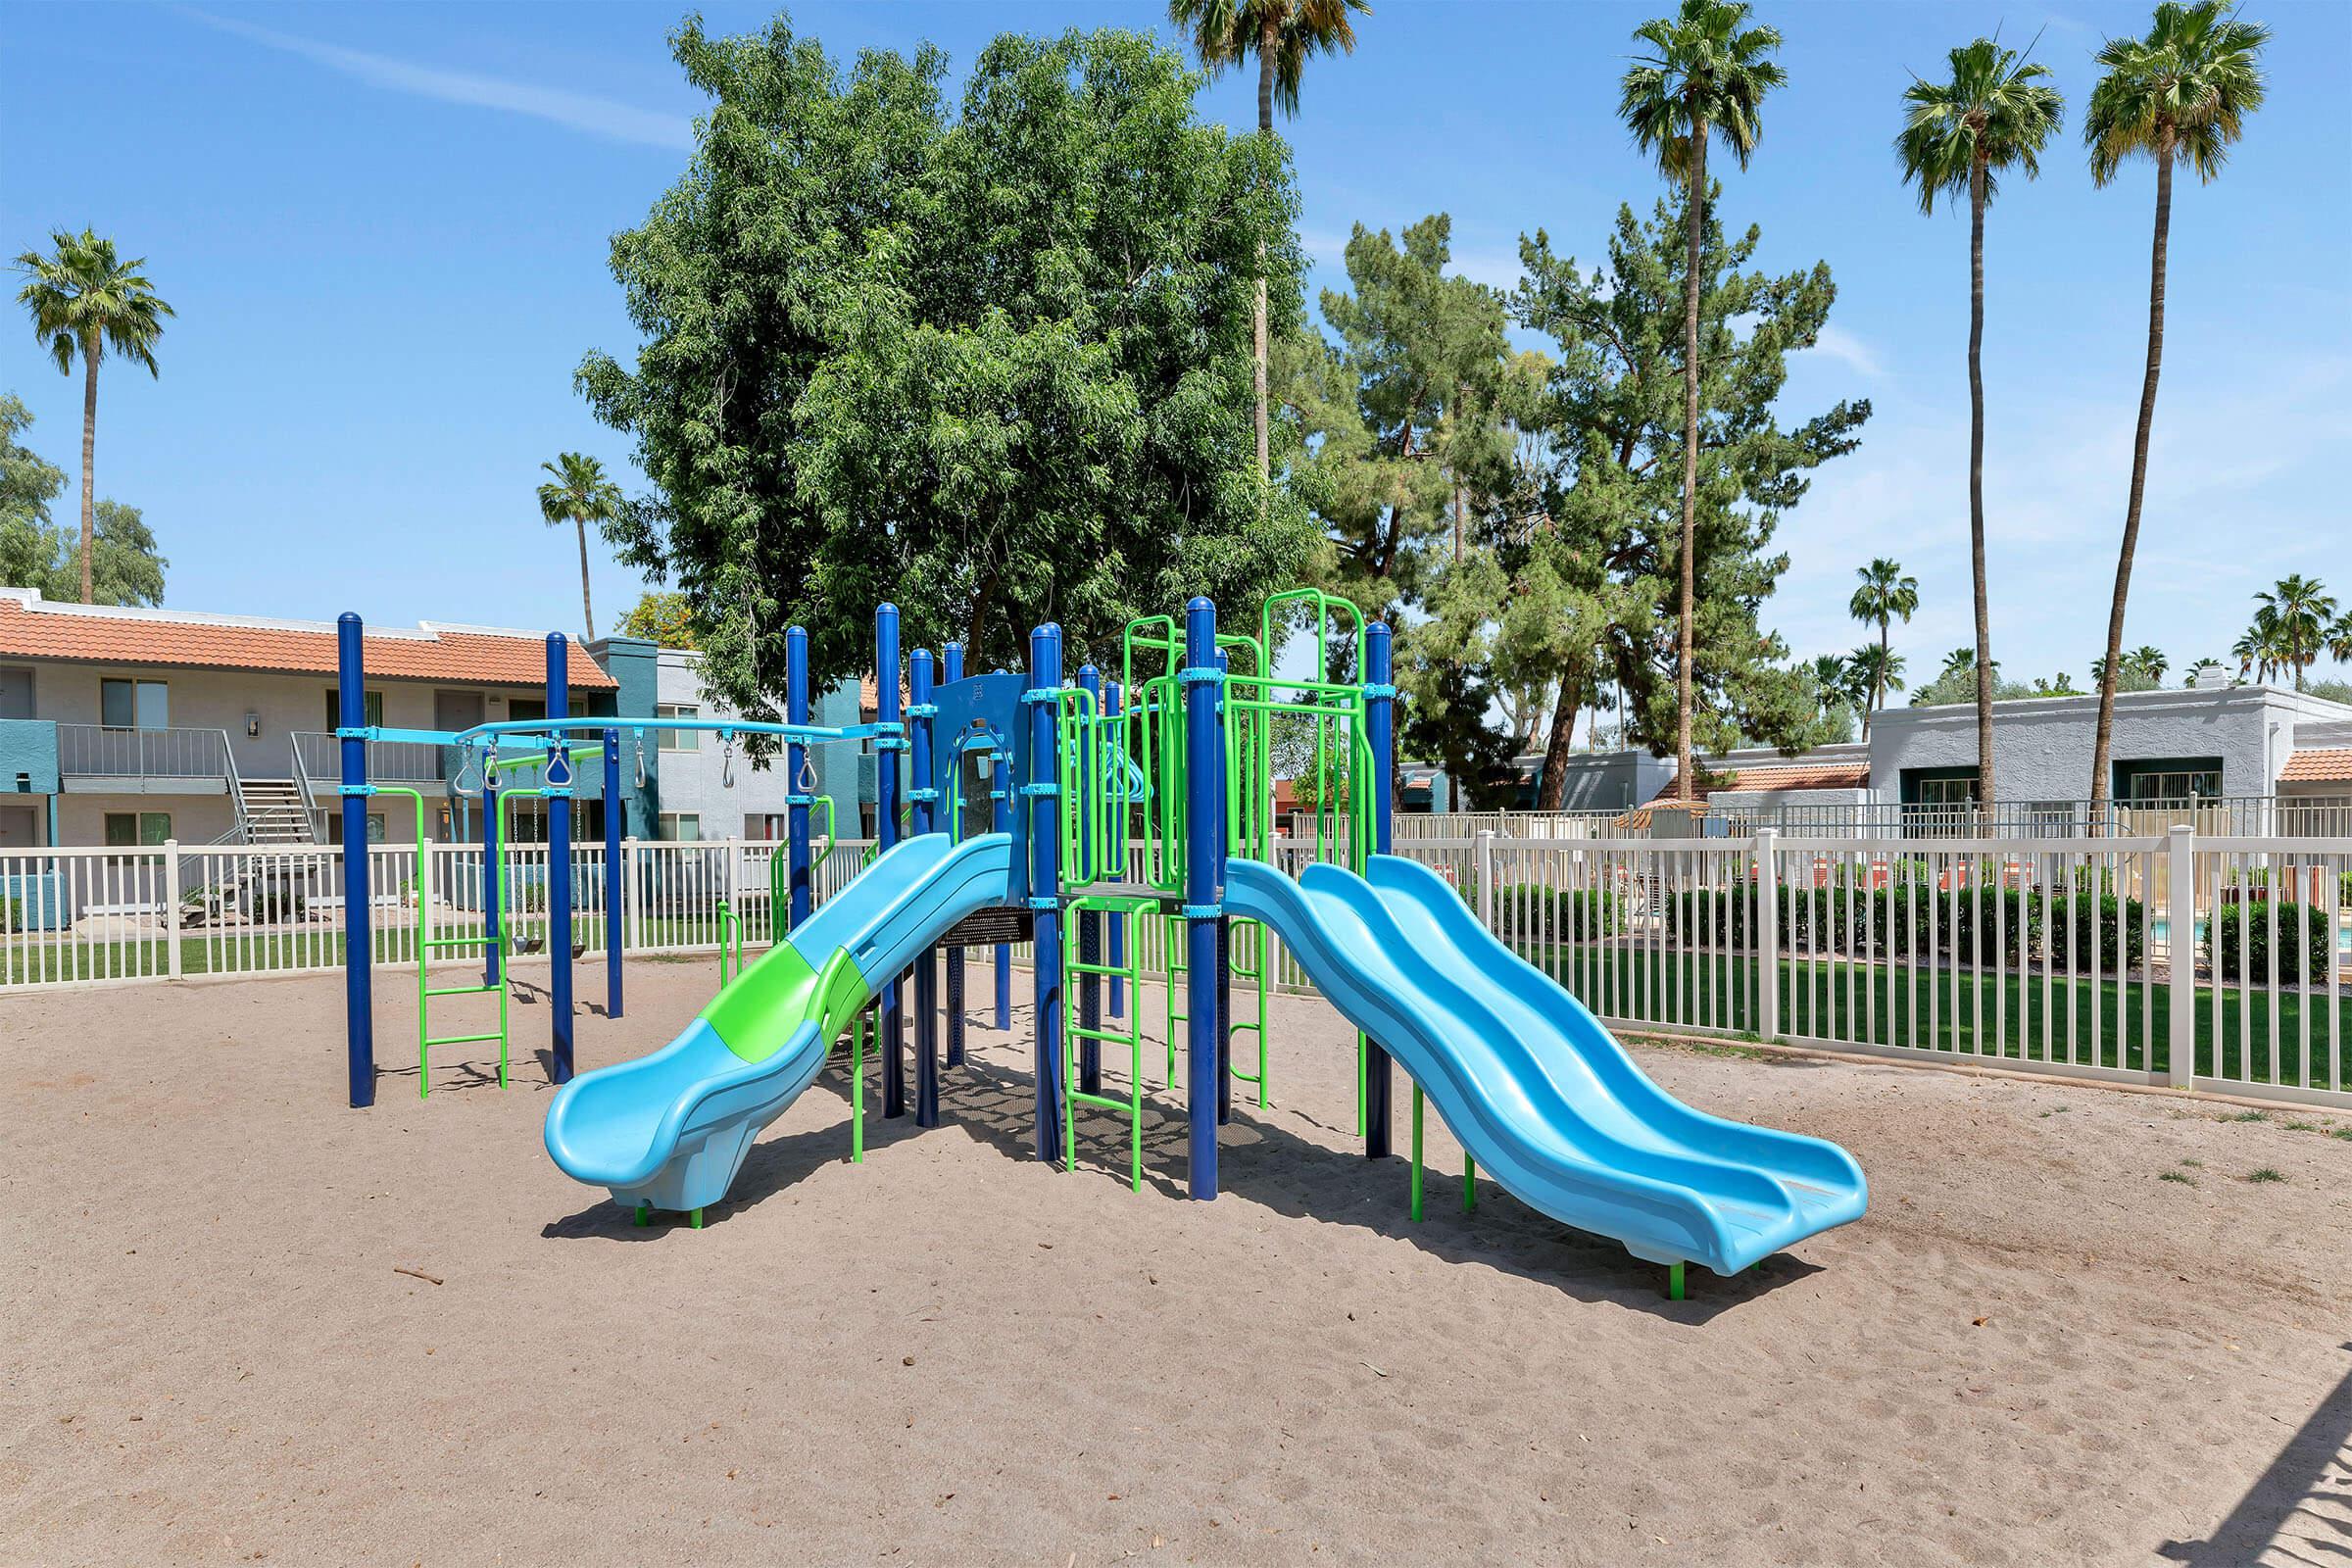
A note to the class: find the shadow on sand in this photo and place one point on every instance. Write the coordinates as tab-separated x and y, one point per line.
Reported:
1258	1163
2299	1510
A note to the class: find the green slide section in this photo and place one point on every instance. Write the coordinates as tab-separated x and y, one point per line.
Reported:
756	1015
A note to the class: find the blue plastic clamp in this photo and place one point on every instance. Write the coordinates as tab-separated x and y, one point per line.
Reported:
922	794
1380	689
921	710
1036	902
1202	911
1189	676
354	789
1040	789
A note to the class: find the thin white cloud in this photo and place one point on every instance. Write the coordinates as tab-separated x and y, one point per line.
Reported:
597	117
1849	351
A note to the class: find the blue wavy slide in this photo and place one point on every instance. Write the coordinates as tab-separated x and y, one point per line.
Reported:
671	1129
1538	1093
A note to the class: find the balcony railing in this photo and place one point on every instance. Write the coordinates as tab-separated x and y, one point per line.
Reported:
388	761
87	751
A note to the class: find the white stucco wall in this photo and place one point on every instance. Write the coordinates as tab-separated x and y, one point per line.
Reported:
2042	747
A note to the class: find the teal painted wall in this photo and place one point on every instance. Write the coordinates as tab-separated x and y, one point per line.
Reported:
27	747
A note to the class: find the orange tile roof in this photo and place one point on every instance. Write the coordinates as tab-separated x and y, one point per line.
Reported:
32	629
2325	764
1772	777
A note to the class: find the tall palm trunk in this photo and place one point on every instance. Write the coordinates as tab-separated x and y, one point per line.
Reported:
92	348
1976	480
1695	210
1269	47
2103	746
587	609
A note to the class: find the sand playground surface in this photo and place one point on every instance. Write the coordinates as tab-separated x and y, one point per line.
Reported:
2077	1325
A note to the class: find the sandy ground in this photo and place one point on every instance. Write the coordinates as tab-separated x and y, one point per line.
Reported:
2032	1350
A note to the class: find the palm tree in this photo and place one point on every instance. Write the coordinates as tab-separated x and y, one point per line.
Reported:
1874	669
1281	34
2301	612
2149	661
579	494
1884	595
1959	661
2183	92
2340	638
2257	649
84	299
1707	76
1993	116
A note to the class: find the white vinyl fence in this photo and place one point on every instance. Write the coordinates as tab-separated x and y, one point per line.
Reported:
2181	959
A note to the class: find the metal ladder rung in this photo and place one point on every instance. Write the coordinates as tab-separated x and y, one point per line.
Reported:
461	1040
460	990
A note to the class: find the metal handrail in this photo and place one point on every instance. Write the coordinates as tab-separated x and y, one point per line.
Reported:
236	786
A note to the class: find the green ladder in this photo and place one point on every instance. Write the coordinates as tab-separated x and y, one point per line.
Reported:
1131	1037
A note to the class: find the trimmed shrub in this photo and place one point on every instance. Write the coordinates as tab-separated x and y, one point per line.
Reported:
1533	913
2306	941
2122	933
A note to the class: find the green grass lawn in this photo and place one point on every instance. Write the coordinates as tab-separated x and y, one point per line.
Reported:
2113	1025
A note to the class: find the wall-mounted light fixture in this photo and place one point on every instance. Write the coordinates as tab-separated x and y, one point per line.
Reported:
253	724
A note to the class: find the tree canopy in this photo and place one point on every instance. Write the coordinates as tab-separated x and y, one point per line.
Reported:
993	365
35	553
1611	420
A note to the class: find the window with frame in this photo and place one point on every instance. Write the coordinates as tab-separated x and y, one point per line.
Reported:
2168	781
371	708
136	829
525	710
677	740
126	703
375	826
681	828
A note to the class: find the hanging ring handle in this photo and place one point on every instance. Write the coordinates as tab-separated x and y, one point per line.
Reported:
559	767
726	759
638	737
806	784
470	770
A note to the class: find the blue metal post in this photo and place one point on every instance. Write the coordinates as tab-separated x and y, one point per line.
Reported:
950	769
1203	889
359	954
1089	922
1117	924
612	873
1379	732
923	797
1044	827
890	1036
494	961
559	862
1001	819
796	768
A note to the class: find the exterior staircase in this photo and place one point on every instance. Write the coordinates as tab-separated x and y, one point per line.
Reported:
273	811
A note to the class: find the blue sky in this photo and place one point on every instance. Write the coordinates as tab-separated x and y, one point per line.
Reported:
384	231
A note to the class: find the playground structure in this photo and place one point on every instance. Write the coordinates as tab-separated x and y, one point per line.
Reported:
1064	812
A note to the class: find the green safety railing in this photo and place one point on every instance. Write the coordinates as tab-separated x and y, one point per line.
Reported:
1134	906
427	945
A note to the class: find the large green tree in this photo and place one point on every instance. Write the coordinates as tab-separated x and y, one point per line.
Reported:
994	363
1705	78
84	300
1282	35
1613	422
2184	91
1961	135
1412	419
